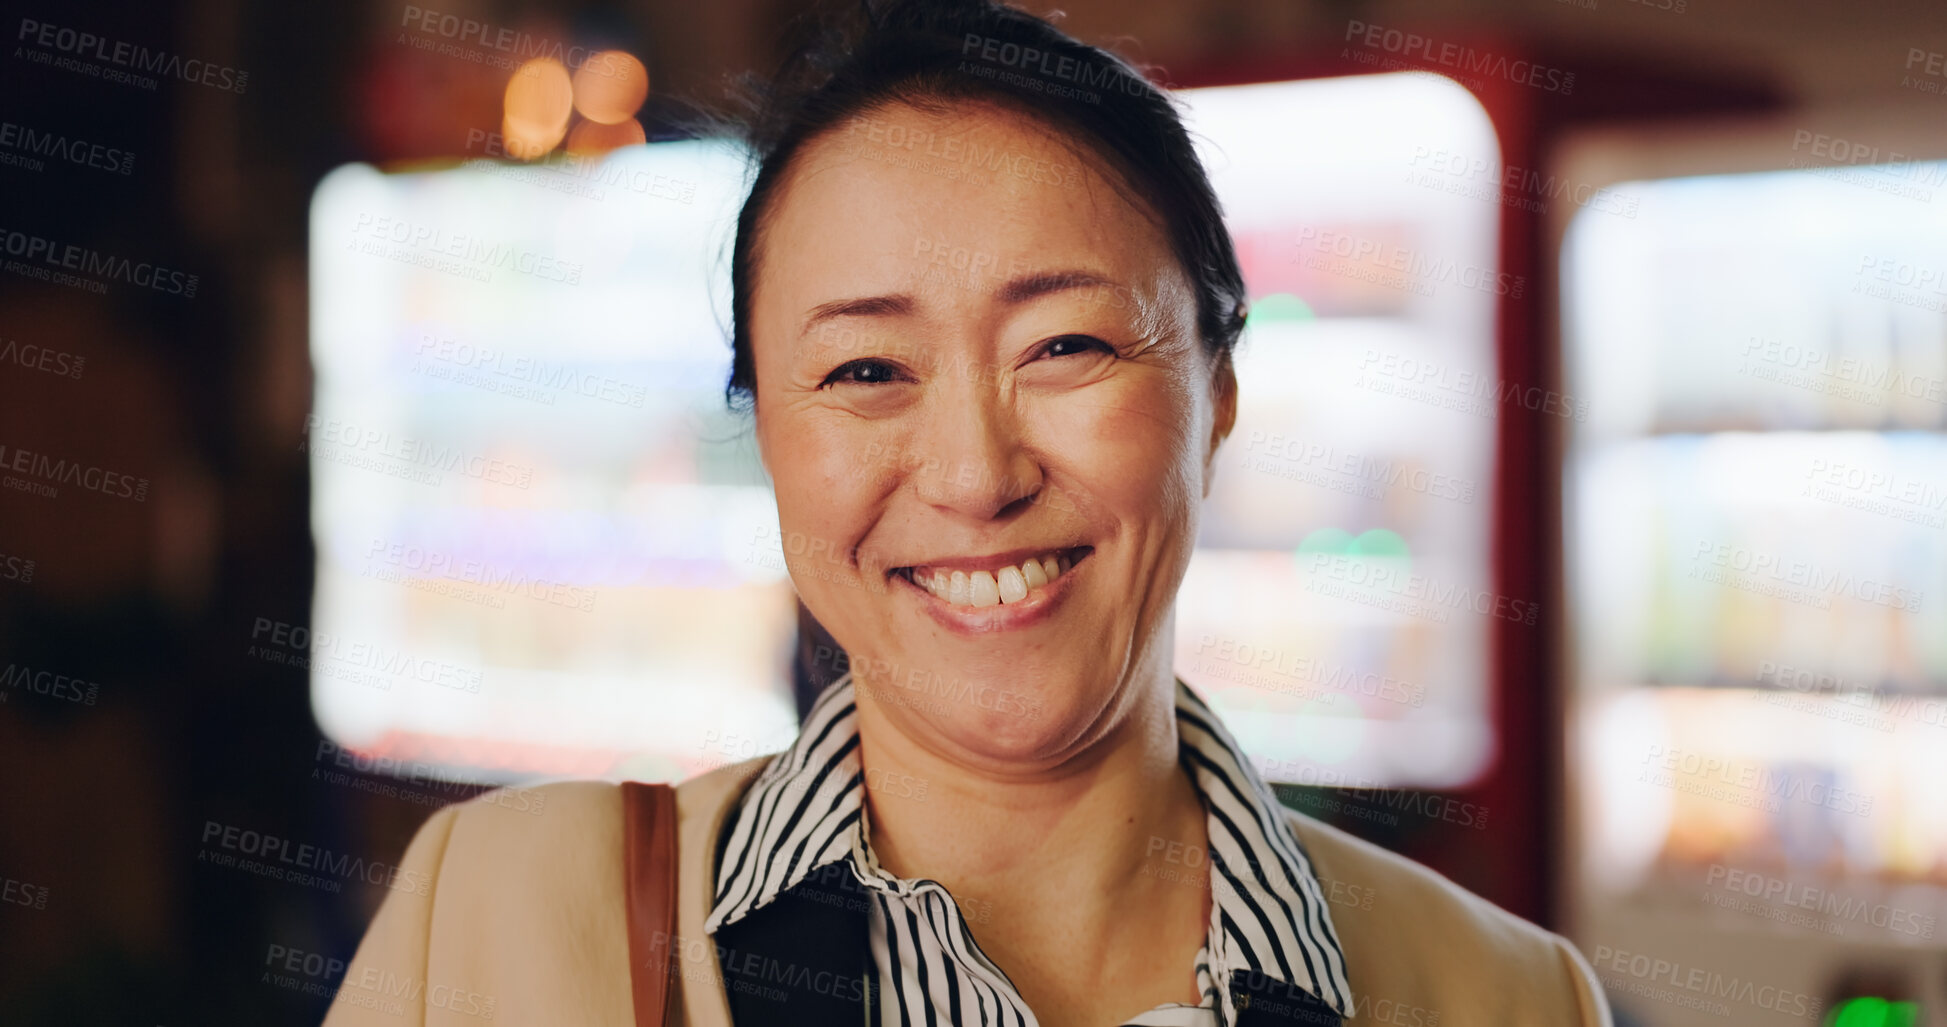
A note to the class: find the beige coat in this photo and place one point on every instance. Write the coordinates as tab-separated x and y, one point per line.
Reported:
523	923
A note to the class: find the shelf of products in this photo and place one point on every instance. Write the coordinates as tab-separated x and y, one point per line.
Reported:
1755	514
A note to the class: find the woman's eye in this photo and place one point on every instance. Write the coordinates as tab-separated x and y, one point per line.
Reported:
1068	345
861	372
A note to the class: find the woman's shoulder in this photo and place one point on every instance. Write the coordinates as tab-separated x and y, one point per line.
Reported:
1414	938
515	847
517	895
557	824
1357	875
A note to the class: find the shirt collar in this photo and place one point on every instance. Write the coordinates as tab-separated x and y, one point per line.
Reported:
805	811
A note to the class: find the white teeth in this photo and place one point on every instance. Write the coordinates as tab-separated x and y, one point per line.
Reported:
1013	585
991	588
985	592
1032	573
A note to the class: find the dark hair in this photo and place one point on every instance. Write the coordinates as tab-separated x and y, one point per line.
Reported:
932	53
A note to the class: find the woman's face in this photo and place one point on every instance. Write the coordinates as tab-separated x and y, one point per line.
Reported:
973	352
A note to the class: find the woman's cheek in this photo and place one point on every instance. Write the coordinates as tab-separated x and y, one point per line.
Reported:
1135	442
817	509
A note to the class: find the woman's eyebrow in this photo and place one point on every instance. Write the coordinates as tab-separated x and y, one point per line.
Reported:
1041	283
897	305
1016	291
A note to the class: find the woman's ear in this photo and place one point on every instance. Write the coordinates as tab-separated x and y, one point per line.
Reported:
1223	388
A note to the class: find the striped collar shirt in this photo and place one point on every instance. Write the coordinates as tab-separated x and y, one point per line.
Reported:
806	812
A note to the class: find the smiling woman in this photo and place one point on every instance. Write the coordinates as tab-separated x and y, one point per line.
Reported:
984	304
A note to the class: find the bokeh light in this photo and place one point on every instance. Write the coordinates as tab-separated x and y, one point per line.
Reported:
610	87
540	97
592	137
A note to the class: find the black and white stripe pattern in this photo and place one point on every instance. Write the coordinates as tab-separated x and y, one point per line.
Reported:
807	810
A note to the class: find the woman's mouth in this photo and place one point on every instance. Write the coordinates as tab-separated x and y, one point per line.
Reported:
975	596
1001	583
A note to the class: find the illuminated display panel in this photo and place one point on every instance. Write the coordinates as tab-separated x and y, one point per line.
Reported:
1755	517
545	549
1338	607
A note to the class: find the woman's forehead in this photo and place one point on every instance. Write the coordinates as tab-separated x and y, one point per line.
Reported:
976	188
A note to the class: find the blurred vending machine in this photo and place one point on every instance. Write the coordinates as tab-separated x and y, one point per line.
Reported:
1755	561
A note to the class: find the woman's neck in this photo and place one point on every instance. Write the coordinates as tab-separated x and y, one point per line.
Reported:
1049	866
972	821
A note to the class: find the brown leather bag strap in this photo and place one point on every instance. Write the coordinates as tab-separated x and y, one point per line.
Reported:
649	882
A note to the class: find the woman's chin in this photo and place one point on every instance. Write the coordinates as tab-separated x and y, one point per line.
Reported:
1015	709
1034	733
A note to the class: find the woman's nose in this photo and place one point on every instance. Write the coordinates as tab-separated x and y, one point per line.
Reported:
976	461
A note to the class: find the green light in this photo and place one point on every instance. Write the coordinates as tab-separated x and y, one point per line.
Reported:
1326	540
1279	306
1860	1012
1372	544
1378	542
1871	1011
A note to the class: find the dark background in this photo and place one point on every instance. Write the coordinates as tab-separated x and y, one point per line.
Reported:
103	804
